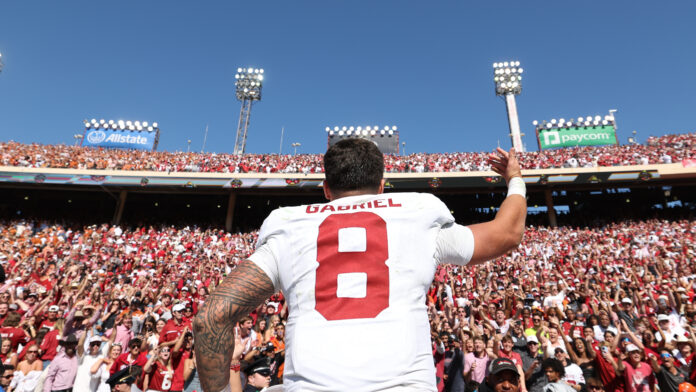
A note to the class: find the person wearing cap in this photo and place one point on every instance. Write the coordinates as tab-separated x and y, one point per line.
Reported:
50	318
258	375
63	369
627	313
668	375
502	376
75	323
637	374
174	327
84	380
531	361
122	381
665	329
684	354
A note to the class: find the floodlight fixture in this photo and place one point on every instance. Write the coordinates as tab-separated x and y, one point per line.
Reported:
120	125
248	84
371	130
582	121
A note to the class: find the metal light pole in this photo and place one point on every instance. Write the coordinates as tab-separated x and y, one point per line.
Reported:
404	146
295	145
1	64
248	84
77	138
508	83
188	146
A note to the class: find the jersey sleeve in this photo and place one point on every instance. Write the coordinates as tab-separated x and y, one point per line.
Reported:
455	244
268	248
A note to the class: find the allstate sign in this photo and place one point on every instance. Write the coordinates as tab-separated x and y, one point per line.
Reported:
121	139
96	137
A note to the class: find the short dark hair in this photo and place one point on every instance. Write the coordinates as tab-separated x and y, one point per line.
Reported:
353	164
555	365
594	382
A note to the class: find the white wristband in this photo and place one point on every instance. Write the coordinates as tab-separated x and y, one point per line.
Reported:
516	186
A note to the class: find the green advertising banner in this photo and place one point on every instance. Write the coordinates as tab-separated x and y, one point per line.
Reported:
578	136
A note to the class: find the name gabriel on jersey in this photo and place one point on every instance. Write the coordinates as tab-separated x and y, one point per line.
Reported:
379	203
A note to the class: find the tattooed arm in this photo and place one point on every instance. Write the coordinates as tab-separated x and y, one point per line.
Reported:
244	289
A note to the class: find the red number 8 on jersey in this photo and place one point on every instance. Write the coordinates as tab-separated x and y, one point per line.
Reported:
371	262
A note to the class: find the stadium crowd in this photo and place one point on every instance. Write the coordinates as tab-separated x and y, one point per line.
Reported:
665	149
609	306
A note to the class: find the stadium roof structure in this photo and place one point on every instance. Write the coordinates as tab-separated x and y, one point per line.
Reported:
109	191
472	180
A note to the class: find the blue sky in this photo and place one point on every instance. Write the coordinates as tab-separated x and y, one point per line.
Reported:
424	66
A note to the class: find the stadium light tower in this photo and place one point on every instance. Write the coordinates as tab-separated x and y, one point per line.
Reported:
1	62
248	84
508	83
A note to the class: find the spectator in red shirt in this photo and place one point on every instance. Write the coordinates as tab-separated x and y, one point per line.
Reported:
51	317
49	344
174	327
11	331
134	357
503	349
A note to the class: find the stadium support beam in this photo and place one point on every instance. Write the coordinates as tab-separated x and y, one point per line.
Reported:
514	122
549	206
231	201
120	205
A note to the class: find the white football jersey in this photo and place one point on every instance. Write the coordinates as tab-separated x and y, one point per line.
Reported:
355	273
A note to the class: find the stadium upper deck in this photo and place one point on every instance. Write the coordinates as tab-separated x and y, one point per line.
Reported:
44	176
658	150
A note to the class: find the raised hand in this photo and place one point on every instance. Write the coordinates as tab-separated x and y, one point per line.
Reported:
505	163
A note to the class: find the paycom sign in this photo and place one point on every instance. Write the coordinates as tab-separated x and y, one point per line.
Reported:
581	136
108	138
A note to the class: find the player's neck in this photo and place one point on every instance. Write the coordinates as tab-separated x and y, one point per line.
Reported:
358	192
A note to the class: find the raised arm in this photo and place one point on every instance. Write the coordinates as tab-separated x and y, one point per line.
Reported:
244	289
505	231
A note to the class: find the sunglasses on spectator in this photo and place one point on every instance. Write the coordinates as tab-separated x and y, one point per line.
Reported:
665	355
32	352
8	376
